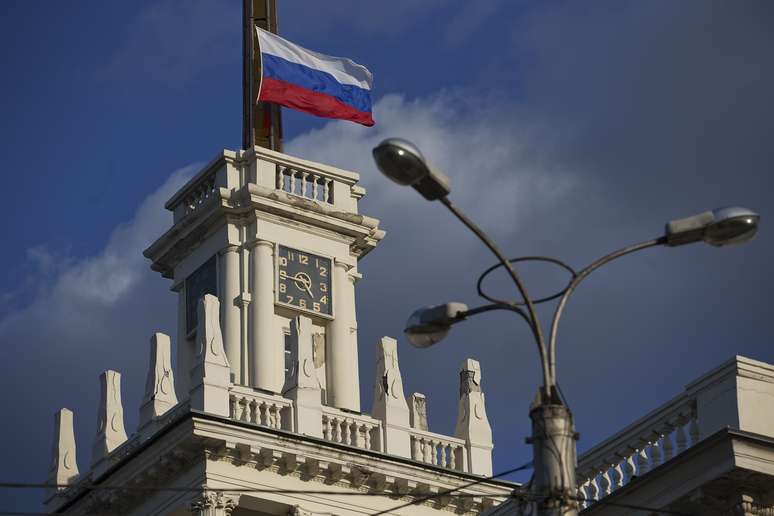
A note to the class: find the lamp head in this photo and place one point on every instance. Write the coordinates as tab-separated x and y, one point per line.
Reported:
431	324
402	162
719	227
732	226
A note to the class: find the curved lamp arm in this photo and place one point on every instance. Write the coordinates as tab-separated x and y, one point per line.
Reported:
533	321
576	281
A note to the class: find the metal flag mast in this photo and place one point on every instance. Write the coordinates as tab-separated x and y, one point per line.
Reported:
261	121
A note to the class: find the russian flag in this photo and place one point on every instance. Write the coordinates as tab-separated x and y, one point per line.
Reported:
325	86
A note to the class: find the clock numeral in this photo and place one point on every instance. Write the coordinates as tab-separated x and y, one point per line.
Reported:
302	303
283	261
324	300
303	259
323	287
316	307
288	298
283	274
323	272
283	288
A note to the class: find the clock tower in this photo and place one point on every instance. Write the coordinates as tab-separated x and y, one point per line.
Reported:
272	237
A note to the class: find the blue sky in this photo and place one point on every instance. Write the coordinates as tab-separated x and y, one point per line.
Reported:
568	128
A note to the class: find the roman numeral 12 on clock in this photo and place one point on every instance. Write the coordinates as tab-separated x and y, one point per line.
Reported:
304	281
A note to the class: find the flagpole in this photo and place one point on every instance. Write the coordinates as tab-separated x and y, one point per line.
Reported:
248	70
262	123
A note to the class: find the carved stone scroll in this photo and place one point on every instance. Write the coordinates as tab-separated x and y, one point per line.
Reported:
302	384
64	468
472	422
211	374
110	417
389	403
160	386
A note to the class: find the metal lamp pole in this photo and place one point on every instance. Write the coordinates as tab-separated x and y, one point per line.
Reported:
554	487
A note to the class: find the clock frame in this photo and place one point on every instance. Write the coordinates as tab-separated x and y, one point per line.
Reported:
303	281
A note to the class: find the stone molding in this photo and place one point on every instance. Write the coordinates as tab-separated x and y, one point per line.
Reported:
251	244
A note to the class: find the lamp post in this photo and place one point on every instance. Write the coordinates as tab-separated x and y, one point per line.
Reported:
554	486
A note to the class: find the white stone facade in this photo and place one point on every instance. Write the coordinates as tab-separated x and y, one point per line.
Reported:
262	412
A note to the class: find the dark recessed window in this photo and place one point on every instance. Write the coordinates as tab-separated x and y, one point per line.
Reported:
203	280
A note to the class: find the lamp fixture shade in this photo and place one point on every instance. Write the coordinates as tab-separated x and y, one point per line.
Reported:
402	162
719	227
431	324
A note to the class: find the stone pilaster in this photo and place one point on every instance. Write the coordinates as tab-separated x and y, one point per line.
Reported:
266	348
472	423
64	467
303	386
342	378
389	401
160	385
110	417
210	376
230	313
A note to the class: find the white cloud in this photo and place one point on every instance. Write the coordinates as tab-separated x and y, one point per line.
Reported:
68	292
498	158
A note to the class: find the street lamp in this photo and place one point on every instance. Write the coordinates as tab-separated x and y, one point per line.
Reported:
553	433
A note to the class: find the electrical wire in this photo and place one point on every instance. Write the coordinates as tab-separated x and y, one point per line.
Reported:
449	492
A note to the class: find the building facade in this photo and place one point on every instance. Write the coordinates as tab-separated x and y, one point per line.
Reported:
262	415
262	412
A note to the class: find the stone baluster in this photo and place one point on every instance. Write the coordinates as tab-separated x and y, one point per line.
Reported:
211	374
605	484
681	440
304	174
389	403
655	453
328	191
593	489
693	431
367	442
110	417
64	465
642	460
472	422
630	467
418	411
160	384
583	493
618	476
335	429
302	384
667	448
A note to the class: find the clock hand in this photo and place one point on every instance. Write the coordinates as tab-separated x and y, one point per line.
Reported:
306	283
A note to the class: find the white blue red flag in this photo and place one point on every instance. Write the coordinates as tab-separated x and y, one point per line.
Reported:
325	86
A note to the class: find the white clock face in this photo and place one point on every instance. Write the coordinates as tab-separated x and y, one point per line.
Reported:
304	281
